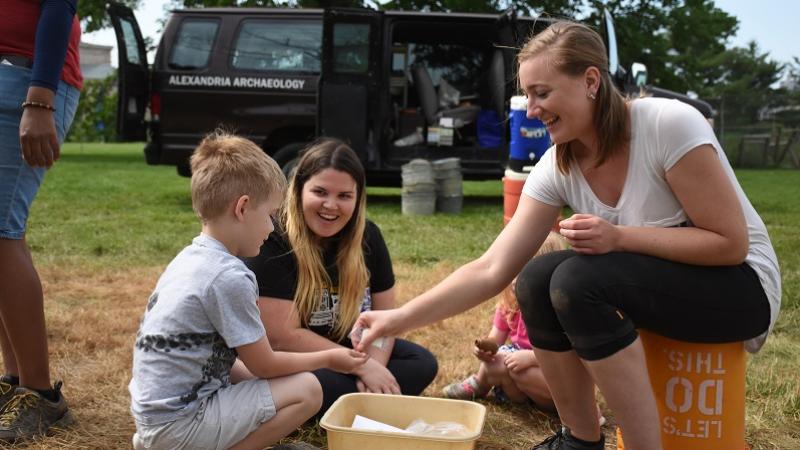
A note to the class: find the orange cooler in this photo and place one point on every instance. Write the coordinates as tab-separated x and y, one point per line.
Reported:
699	389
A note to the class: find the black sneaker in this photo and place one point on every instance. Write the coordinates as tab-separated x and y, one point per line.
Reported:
27	414
7	389
563	440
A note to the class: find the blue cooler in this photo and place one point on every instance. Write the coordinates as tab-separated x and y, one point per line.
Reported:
529	137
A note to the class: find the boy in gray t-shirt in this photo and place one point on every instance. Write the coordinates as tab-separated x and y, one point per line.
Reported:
203	314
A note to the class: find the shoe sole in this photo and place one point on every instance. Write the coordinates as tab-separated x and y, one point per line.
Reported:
62	423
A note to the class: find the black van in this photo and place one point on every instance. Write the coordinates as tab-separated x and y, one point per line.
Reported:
395	85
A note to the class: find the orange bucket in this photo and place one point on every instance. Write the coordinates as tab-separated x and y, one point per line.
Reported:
699	390
512	188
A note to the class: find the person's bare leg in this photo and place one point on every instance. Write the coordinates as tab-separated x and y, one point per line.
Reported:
625	384
239	372
532	384
297	398
9	360
22	312
572	388
497	375
490	373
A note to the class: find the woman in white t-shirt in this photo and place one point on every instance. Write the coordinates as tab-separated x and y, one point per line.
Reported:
663	239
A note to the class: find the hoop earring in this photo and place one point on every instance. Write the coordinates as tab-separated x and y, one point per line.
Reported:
591	96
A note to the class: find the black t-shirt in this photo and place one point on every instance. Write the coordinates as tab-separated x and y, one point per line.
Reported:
276	272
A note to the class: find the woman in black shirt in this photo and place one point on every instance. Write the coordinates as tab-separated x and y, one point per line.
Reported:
323	266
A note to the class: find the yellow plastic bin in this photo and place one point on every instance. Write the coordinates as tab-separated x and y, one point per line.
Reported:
399	411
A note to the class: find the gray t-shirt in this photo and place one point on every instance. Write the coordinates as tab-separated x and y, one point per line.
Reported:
203	307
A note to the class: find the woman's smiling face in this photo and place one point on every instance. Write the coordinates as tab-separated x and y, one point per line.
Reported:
329	198
560	101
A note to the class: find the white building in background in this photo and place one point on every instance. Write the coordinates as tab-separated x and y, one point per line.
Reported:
95	61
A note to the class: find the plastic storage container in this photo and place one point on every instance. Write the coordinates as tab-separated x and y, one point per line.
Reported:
399	411
529	137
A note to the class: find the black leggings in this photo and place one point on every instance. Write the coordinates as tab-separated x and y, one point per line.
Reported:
594	304
413	366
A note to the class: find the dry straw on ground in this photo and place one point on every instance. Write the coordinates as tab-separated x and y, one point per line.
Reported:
93	315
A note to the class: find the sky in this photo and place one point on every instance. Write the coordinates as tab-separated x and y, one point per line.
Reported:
771	23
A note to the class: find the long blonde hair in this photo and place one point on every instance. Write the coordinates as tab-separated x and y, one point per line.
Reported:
508	300
312	277
572	48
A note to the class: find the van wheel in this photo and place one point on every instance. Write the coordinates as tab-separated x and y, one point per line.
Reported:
287	157
184	170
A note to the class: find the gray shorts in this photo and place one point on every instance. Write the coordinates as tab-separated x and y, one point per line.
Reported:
222	420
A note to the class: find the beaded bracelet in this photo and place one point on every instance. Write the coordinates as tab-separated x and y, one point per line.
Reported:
38	105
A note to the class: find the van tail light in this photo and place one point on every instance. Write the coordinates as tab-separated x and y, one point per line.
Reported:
155	105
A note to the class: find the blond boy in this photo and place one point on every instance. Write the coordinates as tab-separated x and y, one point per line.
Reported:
203	313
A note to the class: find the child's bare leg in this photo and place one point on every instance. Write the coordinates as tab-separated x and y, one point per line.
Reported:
297	398
485	374
240	373
532	384
497	375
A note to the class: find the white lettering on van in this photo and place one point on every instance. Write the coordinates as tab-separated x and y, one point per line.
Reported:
239	82
269	83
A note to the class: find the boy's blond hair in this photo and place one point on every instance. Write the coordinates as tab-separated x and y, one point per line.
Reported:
225	167
508	299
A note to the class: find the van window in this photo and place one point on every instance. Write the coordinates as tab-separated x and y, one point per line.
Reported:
350	47
131	46
193	44
270	45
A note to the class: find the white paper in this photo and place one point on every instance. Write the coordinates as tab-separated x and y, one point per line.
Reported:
376	343
363	423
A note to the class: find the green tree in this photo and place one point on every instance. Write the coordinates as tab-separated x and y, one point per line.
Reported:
551	8
671	37
745	80
96	116
93	13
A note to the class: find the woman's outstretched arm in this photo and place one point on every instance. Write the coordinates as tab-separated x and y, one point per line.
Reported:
473	282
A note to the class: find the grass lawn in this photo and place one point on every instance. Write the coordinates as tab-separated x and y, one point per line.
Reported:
105	225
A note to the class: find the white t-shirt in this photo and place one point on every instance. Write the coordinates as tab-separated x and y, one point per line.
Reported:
662	132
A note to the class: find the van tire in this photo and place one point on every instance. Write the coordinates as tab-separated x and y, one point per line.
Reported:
288	156
184	169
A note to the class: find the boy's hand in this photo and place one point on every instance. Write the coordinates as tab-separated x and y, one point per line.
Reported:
345	360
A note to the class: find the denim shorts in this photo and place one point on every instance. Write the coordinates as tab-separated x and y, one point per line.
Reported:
20	182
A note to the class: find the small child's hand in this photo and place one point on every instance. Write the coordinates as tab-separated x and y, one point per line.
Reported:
345	360
483	355
519	360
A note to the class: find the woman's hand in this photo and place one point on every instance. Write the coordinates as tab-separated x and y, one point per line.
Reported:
520	360
37	137
346	360
590	235
374	377
384	323
37	130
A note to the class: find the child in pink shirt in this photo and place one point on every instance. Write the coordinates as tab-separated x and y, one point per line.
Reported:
513	373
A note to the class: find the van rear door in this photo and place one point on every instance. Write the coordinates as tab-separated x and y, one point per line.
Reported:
132	74
348	100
